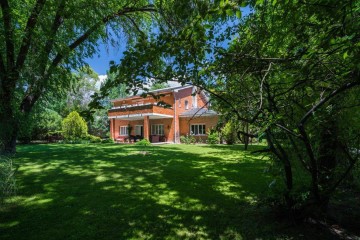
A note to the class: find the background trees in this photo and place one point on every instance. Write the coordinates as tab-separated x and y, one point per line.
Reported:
42	41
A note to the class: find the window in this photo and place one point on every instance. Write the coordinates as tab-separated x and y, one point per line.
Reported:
124	131
157	129
179	103
186	104
197	129
138	130
193	104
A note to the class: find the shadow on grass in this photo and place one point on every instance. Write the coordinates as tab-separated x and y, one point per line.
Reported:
113	192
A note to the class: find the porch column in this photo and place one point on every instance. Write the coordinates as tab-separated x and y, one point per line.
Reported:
112	128
146	128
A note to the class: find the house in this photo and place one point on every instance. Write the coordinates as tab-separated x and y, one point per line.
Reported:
185	113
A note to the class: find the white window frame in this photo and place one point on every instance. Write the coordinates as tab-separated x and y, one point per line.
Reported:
138	127
157	129
124	132
197	129
186	104
179	103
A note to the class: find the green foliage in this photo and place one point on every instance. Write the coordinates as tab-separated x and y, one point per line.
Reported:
7	178
188	139
94	139
74	127
213	137
107	140
229	133
144	142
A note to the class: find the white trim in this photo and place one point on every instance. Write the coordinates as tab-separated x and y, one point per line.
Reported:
141	115
157	133
140	129
197	124
198	115
127	130
186	104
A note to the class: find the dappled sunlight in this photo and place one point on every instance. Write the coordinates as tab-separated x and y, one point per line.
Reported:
177	191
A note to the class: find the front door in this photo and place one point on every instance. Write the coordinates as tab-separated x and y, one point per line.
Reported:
139	130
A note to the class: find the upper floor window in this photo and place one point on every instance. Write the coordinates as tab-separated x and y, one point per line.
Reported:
197	129
186	104
124	131
194	102
179	103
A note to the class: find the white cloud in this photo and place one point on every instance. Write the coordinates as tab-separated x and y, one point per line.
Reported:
102	78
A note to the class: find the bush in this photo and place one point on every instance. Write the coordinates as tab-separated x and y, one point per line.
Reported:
108	140
213	138
76	141
7	178
188	139
74	127
229	133
94	139
143	142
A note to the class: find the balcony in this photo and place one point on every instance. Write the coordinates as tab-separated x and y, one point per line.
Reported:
139	111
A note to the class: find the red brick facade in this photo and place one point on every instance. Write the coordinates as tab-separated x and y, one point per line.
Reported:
157	123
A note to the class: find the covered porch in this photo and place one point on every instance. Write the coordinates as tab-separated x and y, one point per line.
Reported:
130	128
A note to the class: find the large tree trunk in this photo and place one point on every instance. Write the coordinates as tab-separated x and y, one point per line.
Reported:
8	128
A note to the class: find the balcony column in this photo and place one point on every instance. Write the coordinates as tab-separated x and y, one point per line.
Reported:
146	128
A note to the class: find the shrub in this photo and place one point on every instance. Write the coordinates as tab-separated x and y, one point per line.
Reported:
188	139
213	138
7	178
107	140
229	133
74	127
94	139
143	142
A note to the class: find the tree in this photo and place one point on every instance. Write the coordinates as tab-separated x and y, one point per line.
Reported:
74	127
295	71
289	71
41	41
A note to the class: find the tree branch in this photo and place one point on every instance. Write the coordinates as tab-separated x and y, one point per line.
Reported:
326	99
59	57
26	42
8	34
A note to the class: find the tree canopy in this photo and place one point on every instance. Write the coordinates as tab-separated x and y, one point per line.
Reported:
288	72
42	41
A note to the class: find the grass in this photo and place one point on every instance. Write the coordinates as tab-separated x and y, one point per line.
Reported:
116	192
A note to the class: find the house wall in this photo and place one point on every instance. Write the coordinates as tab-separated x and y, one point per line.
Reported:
210	122
141	110
172	126
167	122
168	98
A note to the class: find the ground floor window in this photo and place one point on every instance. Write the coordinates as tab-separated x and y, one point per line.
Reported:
124	131
197	129
157	129
138	130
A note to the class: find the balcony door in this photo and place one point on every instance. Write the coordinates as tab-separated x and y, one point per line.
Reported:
139	130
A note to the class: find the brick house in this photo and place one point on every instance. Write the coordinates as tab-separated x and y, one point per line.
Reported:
186	113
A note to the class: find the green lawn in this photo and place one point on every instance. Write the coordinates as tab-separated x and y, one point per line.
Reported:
114	192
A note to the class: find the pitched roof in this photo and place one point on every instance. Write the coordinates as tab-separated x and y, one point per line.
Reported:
163	91
198	112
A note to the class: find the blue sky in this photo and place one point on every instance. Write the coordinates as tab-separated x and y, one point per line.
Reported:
100	62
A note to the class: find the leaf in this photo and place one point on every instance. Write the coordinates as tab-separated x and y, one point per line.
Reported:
238	14
345	55
229	12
